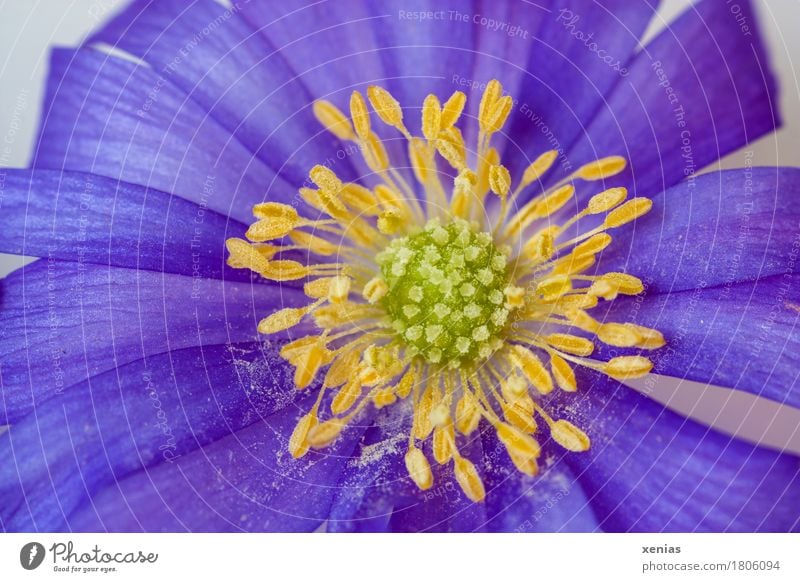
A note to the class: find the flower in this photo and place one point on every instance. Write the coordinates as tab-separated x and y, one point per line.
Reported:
141	396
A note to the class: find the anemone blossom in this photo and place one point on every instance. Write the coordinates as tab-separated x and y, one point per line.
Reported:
388	266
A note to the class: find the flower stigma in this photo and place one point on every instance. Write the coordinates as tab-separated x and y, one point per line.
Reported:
462	306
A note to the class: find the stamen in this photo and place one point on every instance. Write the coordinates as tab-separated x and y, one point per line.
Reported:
466	321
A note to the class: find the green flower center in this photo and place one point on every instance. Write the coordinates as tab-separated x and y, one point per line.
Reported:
445	293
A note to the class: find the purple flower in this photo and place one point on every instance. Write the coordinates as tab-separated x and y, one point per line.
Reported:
140	394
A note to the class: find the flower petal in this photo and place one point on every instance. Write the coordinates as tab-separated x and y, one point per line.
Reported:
552	501
245	481
112	117
744	336
61	323
652	470
721	228
444	507
701	89
375	478
138	415
581	52
216	57
76	216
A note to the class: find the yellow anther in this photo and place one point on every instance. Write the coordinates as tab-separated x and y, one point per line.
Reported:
325	179
631	210
463	192
360	198
538	167
360	115
517	442
341	369
418	468
298	442
318	288
312	243
452	109
383	398
553	287
499	114
609	285
275	210
339	289
468	414
346	396
650	339
618	335
490	97
406	383
469	480
627	367
563	374
569	436
515	296
572	344
282	320
555	201
271	228
575	301
390	221
308	362
311	197
375	154
422	414
386	106
324	434
450	153
519	417
244	256
582	320
602	168
443	439
592	245
421	160
391	199
541	246
333	120
491	158
284	271
375	289
431	117
331	316
525	466
533	369
606	200
293	351
499	180
572	265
